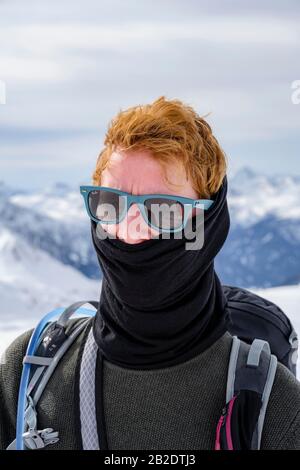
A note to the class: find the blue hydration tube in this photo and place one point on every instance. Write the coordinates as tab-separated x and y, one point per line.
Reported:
31	348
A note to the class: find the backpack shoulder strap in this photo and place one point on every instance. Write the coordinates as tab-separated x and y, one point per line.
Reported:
86	389
44	352
250	378
252	368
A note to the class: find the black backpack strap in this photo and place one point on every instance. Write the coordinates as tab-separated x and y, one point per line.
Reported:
251	374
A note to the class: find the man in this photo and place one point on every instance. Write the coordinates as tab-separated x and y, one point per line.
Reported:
160	329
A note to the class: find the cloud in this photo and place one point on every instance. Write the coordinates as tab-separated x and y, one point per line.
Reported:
36	38
70	69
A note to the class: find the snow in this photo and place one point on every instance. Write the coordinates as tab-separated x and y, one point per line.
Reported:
288	299
251	196
33	283
68	208
22	307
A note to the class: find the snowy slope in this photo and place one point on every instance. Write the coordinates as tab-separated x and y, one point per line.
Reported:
32	283
286	297
66	238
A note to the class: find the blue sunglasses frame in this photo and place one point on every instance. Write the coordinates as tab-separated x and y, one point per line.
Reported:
187	203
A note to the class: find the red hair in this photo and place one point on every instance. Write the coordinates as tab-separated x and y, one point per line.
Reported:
173	132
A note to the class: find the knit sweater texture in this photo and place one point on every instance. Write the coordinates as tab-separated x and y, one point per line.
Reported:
172	408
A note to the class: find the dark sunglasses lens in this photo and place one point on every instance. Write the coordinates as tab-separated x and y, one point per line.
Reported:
105	205
165	213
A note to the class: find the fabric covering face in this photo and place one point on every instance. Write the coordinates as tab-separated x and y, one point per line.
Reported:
161	304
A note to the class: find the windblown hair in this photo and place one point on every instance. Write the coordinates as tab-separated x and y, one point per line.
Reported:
173	132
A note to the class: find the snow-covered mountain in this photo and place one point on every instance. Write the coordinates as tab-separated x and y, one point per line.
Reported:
253	197
58	201
264	254
263	246
53	222
262	249
33	283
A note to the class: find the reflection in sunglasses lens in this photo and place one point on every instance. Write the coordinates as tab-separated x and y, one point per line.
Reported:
164	213
106	206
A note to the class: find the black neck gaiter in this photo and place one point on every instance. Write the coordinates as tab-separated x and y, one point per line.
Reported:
161	304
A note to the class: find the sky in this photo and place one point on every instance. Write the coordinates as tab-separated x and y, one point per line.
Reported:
69	66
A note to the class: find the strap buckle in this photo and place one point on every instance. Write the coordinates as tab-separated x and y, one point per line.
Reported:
34	439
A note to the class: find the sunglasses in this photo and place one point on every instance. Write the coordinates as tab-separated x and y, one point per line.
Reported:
164	212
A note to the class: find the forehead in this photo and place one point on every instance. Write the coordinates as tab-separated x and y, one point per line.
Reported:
142	161
141	171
